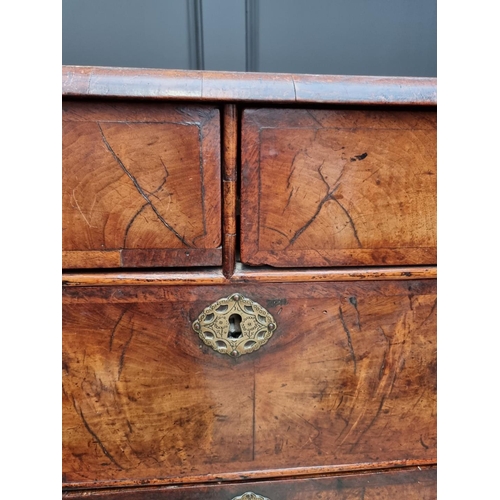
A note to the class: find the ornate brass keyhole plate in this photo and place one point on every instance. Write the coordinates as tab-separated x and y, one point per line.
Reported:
250	496
235	325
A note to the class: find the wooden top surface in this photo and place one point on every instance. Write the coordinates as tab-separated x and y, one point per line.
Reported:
162	84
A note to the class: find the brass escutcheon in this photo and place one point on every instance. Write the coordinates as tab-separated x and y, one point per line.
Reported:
235	325
250	496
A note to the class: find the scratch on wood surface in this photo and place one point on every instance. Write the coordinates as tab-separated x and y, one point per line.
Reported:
132	220
392	364
329	196
94	435
309	112
80	210
140	190
348	334
124	351
114	330
429	315
351	222
423	444
276	231
288	201
384	359
354	302
292	169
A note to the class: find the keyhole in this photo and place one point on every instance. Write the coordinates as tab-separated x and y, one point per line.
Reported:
234	326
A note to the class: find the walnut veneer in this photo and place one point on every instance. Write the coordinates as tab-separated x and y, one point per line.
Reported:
314	196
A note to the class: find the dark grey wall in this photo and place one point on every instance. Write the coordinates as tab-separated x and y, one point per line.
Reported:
357	37
224	34
136	33
349	37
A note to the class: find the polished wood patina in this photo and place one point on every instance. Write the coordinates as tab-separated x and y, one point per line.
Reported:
338	187
141	185
348	377
313	196
408	484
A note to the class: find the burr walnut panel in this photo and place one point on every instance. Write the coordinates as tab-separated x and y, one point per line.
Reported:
338	187
141	185
346	382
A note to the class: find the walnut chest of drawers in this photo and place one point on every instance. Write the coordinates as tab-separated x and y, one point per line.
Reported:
249	286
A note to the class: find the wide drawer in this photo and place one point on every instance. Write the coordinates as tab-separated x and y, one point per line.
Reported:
343	187
141	185
412	484
346	381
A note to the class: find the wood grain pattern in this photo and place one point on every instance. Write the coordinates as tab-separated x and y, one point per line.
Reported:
93	259
347	383
222	86
338	187
411	484
142	181
230	176
348	378
243	274
257	475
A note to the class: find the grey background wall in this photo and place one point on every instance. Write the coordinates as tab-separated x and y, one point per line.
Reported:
356	37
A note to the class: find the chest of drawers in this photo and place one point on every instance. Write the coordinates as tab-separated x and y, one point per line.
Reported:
249	286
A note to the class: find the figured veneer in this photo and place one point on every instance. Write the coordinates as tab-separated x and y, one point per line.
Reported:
141	185
312	195
347	378
338	187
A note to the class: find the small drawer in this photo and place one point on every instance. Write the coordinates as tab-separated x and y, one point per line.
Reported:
346	381
338	187
141	185
410	484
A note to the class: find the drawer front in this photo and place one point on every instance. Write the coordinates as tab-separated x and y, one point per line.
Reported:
141	185
413	484
338	187
346	381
